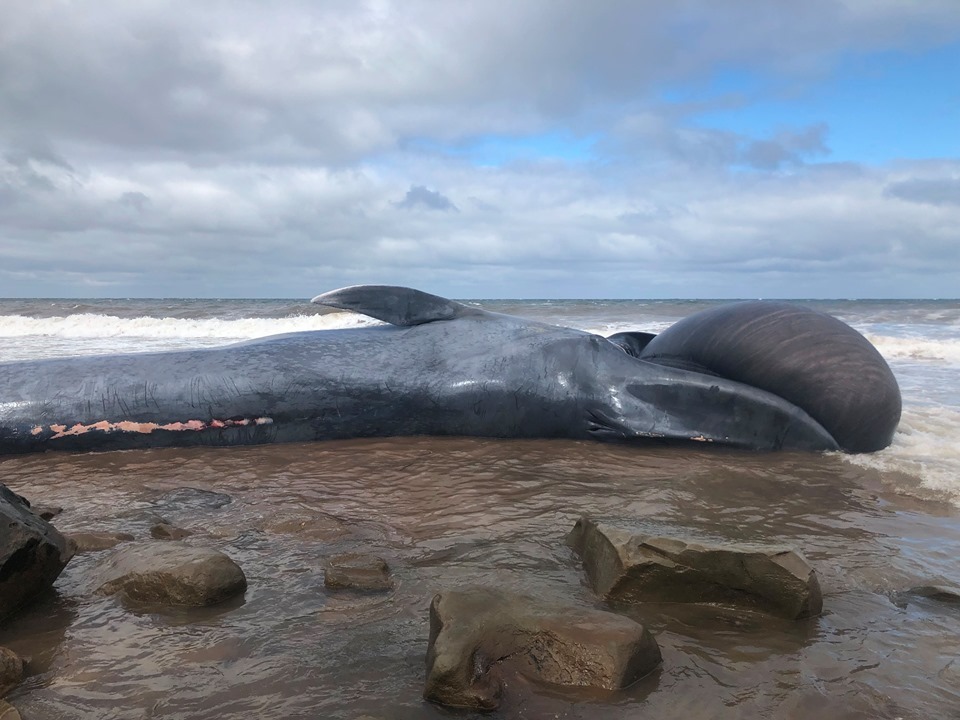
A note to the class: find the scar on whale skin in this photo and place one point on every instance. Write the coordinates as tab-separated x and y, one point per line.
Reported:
128	426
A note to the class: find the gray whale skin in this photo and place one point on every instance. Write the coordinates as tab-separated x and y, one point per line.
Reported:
757	375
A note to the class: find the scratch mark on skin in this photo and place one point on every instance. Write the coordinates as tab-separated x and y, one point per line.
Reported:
61	431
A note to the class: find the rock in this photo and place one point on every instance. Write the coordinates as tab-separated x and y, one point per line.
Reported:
171	573
357	572
32	553
8	711
313	527
943	593
94	540
11	670
46	512
165	531
477	633
628	568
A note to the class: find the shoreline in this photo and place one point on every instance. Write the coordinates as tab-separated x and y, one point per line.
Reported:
447	512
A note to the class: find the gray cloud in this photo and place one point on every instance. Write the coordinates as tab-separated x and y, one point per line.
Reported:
420	196
655	136
786	148
932	191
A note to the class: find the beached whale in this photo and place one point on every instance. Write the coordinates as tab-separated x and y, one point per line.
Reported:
759	375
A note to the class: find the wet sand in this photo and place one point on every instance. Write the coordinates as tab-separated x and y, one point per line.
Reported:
450	512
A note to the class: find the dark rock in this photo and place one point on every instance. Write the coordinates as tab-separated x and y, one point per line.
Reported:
32	553
11	670
8	711
478	633
165	531
357	572
171	573
943	593
628	568
93	541
46	512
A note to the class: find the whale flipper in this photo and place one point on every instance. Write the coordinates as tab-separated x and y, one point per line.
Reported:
632	342
396	305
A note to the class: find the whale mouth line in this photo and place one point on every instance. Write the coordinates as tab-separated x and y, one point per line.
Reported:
129	426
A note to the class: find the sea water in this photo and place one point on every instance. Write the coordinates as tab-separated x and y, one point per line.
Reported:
452	512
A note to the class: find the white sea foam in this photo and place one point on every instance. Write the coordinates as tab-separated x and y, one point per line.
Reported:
917	348
925	448
93	326
28	338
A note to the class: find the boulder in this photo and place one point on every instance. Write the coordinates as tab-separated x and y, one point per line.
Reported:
478	633
629	568
8	711
171	573
93	540
166	531
32	552
11	670
356	571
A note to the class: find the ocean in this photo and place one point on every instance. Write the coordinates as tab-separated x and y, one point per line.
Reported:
448	512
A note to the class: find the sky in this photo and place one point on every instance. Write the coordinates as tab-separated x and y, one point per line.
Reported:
480	149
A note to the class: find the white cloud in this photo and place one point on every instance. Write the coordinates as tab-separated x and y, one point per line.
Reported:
250	149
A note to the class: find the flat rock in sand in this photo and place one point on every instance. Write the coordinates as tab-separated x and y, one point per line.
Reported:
32	552
93	541
171	573
356	571
476	633
624	567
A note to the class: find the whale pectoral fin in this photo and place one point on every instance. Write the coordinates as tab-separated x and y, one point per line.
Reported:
633	342
396	305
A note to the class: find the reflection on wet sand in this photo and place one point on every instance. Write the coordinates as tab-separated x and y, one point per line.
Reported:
446	513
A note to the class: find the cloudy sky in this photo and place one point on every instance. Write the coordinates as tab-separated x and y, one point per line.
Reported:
523	148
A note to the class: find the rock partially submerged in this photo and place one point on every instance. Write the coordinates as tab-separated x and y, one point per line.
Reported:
356	571
11	670
171	573
628	568
166	531
476	633
95	540
32	552
46	512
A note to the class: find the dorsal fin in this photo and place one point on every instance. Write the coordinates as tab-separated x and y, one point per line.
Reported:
395	305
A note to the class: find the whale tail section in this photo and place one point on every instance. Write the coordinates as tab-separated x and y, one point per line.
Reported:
401	306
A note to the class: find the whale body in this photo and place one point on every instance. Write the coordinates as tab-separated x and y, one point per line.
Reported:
757	375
